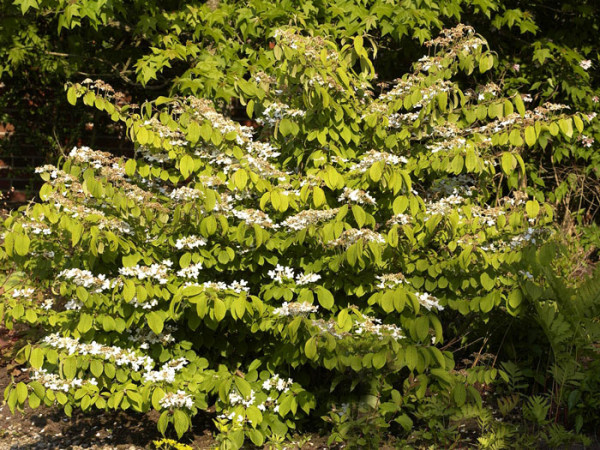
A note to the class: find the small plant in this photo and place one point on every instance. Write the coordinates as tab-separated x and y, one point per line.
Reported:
170	444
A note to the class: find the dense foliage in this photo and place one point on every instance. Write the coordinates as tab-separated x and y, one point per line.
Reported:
202	48
323	261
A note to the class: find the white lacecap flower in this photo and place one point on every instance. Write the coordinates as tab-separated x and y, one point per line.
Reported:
191	271
190	242
179	399
295	309
281	274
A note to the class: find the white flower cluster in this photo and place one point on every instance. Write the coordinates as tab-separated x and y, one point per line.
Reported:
353	235
263	150
528	237
370	325
150	156
48	168
179	399
281	274
190	242
37	228
585	64
121	356
175	137
277	111
389	280
160	272
47	304
254	216
373	326
526	274
443	206
586	141
400	219
73	305
428	301
295	309
55	383
147	304
166	373
356	196
456	144
374	156
88	280
191	271
460	185
94	158
425	64
23	293
328	327
239	419
236	286
284	273
488	216
147	337
236	399
276	382
308	217
185	194
398	120
307	278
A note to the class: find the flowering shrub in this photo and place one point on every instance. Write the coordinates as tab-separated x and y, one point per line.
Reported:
277	271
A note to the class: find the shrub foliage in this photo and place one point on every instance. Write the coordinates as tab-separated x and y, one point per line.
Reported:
318	261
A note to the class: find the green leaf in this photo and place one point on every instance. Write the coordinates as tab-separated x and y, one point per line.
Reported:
508	163
359	215
325	297
310	348
96	367
243	386
487	282
400	204
130	167
533	208
219	309
157	396
85	323
181	422
459	394
186	166
566	126
21	244
36	358
254	415
515	138
71	95
379	360
163	422
22	392
578	123
518	101
515	298
69	367
530	136
193	133
486	62
256	437
155	322
405	422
